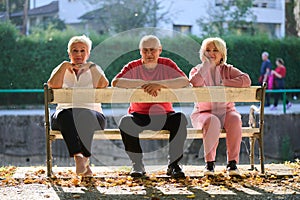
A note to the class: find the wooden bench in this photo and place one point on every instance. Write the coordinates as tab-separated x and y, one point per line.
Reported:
182	95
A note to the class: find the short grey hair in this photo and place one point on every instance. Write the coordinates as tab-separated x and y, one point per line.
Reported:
149	38
265	54
84	39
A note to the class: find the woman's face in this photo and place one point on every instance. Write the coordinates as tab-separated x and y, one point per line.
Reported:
79	53
212	53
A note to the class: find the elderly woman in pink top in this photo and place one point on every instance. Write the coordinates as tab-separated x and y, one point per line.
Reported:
211	117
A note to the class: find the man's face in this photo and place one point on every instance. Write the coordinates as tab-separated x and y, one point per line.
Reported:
264	57
150	52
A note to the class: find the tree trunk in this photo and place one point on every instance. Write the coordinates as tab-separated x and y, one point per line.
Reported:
25	17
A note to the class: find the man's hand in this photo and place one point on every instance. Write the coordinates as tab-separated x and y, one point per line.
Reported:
152	88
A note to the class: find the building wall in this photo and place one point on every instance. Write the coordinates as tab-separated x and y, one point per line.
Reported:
185	13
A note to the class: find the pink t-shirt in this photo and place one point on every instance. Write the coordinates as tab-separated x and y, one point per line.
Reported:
165	69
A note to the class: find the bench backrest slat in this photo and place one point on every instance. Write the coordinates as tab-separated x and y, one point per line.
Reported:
121	95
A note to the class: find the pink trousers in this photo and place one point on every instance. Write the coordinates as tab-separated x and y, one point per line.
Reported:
211	125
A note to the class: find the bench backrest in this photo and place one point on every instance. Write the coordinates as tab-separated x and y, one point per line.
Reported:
181	95
121	95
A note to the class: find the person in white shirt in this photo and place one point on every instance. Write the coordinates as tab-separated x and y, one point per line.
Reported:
77	121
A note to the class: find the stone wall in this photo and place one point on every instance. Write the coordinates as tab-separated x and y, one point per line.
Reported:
22	142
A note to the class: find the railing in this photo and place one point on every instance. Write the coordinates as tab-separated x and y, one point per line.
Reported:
283	91
21	90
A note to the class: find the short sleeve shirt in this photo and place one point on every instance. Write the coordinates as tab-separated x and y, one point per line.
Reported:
165	69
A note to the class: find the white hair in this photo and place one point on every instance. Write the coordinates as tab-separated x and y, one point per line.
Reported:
84	39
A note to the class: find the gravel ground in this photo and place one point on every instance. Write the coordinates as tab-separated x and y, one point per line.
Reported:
279	182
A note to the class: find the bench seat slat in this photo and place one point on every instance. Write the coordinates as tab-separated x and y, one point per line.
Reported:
114	134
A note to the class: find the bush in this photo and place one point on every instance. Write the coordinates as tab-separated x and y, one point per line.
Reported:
27	62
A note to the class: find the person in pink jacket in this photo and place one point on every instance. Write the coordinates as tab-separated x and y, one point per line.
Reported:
211	117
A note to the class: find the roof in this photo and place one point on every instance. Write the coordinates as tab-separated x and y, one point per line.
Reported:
46	9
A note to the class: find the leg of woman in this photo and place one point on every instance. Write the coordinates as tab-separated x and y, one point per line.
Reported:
276	98
211	126
63	121
233	127
77	127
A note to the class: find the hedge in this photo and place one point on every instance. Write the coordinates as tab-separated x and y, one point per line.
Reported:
27	62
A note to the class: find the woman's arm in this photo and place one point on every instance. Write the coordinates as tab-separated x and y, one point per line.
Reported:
98	77
233	77
57	76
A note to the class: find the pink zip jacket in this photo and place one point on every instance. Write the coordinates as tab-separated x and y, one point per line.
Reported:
225	75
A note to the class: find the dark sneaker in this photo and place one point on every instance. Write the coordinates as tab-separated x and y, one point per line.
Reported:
175	171
232	168
209	169
137	170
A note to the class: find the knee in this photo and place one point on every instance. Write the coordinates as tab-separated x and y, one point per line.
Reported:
64	115
181	119
212	122
234	119
125	121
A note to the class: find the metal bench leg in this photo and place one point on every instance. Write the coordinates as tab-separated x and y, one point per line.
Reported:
261	155
251	156
49	157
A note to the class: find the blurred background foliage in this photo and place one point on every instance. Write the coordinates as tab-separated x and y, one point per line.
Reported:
27	61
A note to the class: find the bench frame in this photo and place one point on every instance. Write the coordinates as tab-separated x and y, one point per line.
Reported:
183	95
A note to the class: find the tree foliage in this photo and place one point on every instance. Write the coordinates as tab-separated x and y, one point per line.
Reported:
122	15
229	17
13	5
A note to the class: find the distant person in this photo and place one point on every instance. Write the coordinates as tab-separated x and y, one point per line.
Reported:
77	121
265	72
211	117
151	73
279	82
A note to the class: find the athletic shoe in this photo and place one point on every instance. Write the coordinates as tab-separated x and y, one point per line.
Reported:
232	168
209	169
175	171
137	170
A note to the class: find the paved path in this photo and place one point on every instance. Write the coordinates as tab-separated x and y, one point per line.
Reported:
279	182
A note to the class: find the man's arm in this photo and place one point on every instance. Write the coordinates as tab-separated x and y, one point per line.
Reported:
127	83
179	82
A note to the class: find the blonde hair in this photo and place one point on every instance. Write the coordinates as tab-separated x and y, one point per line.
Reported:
220	45
84	39
149	39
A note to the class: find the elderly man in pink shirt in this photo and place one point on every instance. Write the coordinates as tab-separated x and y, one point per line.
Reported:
211	117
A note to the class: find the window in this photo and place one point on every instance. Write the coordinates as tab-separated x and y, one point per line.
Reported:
187	29
224	2
265	3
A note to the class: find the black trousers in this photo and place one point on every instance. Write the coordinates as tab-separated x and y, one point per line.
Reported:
77	126
279	84
131	125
